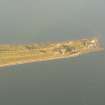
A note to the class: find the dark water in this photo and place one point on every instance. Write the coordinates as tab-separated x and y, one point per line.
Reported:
72	81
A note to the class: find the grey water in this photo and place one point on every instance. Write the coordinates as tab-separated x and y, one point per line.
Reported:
73	81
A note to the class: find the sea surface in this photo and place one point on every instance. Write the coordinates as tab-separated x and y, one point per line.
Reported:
72	81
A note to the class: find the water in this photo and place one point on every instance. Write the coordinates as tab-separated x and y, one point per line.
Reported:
73	81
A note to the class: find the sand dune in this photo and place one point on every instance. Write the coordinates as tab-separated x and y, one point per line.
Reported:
12	54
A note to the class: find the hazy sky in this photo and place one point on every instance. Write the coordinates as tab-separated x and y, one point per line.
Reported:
42	20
